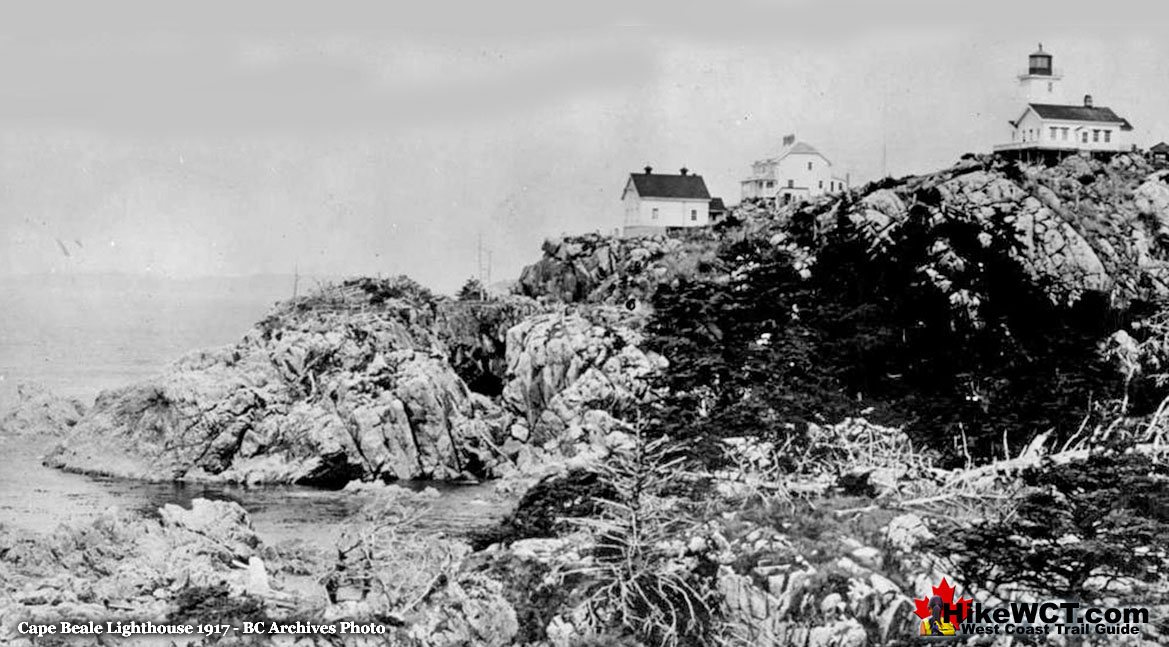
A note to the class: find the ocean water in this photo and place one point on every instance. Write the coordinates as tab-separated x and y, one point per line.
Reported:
79	335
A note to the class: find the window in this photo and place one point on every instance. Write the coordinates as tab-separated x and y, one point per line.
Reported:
655	216
1050	86
1064	134
1107	136
1084	137
809	166
791	184
1053	129
693	215
771	184
1096	135
821	184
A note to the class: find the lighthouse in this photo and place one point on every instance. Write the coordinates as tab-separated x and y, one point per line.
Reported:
1041	83
1045	126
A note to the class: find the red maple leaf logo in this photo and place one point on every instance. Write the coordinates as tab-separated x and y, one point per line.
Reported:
922	607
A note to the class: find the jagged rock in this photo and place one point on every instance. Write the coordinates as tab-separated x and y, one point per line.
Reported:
223	523
599	269
331	388
561	367
40	412
1080	226
474	337
148	568
471	611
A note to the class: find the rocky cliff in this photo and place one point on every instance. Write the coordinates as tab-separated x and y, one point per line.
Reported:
1081	225
383	380
356	381
371	381
601	269
800	530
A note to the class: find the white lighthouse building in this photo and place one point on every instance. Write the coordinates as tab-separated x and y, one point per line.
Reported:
1046	125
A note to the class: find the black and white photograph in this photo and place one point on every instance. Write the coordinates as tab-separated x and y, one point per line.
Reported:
614	324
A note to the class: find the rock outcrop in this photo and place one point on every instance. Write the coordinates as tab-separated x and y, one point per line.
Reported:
618	271
206	564
474	337
39	412
574	380
350	383
154	569
1076	227
368	381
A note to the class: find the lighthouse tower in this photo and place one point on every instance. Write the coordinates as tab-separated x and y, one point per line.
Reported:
1040	84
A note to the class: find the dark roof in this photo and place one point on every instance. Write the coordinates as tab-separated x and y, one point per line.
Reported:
657	185
1079	113
716	204
1160	148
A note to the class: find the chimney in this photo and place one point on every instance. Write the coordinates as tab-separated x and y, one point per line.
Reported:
649	169
684	171
1087	101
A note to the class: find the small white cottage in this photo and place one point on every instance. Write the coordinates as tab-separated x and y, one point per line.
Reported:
657	202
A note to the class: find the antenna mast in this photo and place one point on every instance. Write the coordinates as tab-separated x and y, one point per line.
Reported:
484	255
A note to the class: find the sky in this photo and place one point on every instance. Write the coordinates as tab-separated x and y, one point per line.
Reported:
363	138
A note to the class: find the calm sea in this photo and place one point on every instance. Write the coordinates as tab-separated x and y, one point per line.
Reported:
78	335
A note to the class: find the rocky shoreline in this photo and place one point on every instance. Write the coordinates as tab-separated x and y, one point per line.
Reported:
818	530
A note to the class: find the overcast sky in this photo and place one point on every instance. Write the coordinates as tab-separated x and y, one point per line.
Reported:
345	139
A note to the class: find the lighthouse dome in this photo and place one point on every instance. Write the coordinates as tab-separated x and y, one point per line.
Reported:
1039	62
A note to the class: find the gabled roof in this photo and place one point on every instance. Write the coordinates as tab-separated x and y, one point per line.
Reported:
800	148
1079	113
716	204
1160	148
658	185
